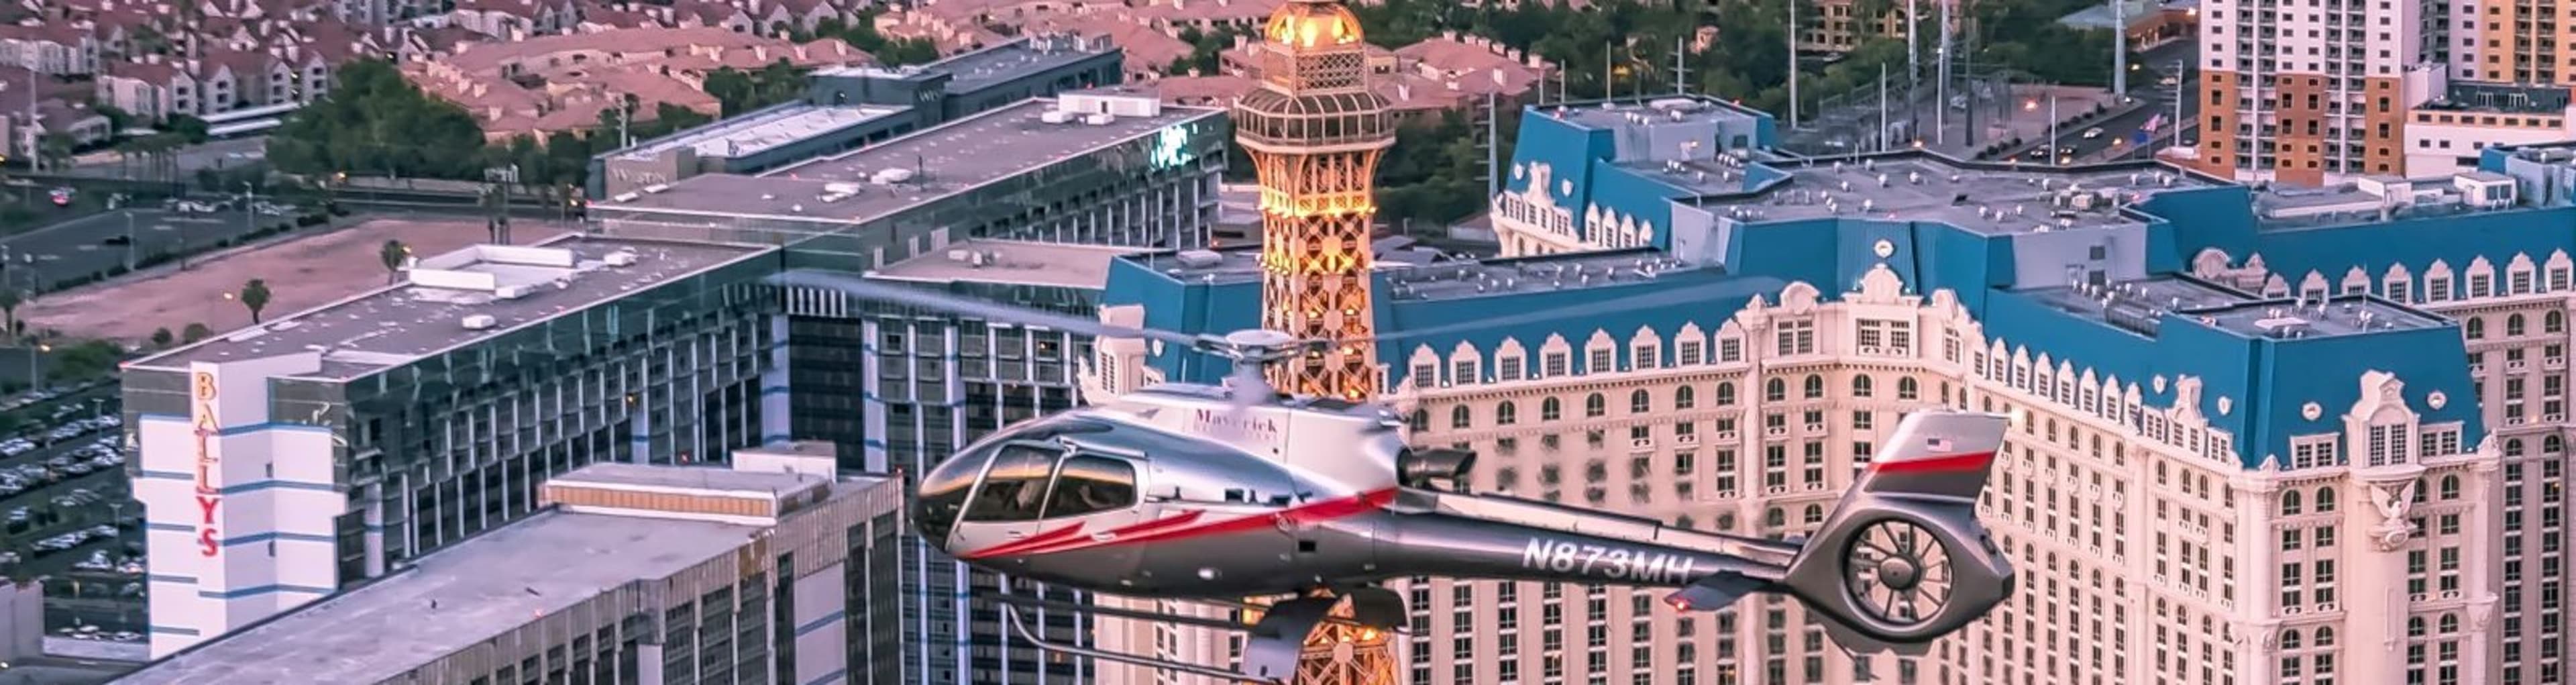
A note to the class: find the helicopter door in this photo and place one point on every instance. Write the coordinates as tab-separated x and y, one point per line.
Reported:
1100	494
1005	506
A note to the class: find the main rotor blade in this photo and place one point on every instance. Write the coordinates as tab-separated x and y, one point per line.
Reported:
994	311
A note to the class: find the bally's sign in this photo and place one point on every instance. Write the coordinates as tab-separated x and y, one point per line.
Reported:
209	495
1228	425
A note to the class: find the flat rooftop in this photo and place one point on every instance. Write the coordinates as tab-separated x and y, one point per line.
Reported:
762	132
945	160
1987	199
1010	262
2291	208
1622	113
400	324
985	68
453	599
1450	280
614	474
2140	306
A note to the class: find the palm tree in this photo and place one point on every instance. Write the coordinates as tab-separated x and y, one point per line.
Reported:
254	296
393	254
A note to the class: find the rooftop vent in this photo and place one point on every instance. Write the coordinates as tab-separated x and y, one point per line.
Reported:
1100	119
1056	116
477	322
620	258
1200	259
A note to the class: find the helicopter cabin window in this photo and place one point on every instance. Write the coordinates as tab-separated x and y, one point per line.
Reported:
943	492
1090	485
1014	487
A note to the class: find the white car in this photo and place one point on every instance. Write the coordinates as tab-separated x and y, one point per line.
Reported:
2092	133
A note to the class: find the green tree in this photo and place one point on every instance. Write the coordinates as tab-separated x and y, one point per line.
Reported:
393	253
194	332
161	337
54	150
254	296
189	129
373	121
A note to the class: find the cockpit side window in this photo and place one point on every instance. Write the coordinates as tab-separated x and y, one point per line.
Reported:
1090	485
944	490
1015	487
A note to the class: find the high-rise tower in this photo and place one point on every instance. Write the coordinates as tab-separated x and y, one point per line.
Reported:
1315	131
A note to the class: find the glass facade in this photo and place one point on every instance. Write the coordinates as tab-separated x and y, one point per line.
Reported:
453	444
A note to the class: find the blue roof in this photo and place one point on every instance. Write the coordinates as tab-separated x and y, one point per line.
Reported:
2255	382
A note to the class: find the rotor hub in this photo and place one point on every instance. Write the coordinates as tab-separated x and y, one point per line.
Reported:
1899	573
1260	339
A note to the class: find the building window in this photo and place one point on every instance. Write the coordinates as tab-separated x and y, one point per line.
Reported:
1506	414
1796	337
1594	405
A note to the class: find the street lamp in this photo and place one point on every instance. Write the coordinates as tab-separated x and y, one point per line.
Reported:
36	366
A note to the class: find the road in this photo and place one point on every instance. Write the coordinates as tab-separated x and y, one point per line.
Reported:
80	247
213	154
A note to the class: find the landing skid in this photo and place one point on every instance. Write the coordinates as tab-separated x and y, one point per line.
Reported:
1274	646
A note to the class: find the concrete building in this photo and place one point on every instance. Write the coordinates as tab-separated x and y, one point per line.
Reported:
2260	436
628	574
284	462
2309	97
2451	123
848	108
1086	167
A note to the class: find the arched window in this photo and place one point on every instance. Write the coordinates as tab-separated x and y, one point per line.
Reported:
2290	639
1726	394
2325	636
2513	325
1775	391
2325	499
1861	385
1506	414
1815	386
2450	487
2553	321
1685	398
2513	447
1907	389
1459	417
1775	518
2475	328
2414	626
1640	402
1725	522
2449	624
1550	409
1595	405
2290	503
1419	421
2551	444
1815	514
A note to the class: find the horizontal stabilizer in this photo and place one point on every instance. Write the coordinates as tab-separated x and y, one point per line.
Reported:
1714	592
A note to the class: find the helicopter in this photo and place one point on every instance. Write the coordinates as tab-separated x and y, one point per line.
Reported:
1213	494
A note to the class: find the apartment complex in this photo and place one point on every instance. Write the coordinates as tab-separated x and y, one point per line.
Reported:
564	82
775	571
281	463
2259	436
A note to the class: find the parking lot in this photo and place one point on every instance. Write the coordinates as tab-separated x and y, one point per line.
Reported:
66	515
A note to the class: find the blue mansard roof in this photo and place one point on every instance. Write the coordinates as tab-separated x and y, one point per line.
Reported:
2086	266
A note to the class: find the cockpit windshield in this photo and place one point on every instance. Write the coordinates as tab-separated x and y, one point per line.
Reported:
944	491
1015	487
1016	483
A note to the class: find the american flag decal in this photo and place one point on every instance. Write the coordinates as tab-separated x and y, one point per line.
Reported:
1937	444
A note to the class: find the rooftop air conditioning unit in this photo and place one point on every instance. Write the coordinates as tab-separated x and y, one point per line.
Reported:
1056	117
477	322
510	292
1100	119
621	258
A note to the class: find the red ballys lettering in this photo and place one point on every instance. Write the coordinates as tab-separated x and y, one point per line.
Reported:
208	491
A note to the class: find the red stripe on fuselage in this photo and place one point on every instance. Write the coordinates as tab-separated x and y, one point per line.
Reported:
1042	539
1185	525
1973	461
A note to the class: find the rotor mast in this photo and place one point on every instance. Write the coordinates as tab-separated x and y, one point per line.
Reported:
1315	131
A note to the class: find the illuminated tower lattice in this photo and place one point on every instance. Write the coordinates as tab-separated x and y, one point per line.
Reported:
1315	130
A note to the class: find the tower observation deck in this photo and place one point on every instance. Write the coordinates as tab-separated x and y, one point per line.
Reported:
1315	132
